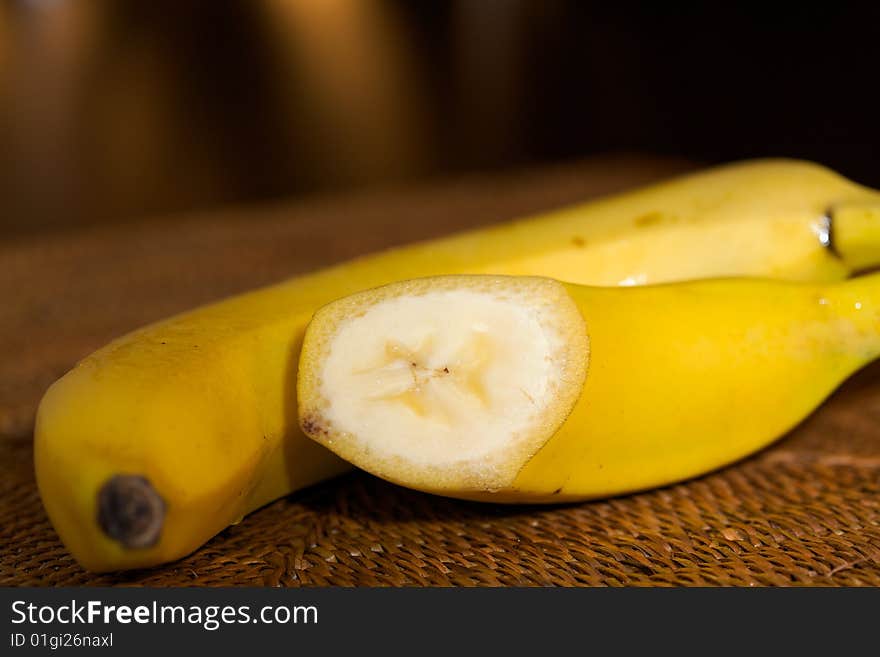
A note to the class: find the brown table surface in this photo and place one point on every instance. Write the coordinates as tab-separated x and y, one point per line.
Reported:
805	511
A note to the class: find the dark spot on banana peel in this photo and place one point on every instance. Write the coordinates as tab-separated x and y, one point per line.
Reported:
557	491
130	511
578	241
649	219
313	426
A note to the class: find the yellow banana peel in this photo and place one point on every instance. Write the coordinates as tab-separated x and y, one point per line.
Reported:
156	442
520	389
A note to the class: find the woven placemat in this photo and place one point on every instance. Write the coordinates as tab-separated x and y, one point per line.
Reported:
805	511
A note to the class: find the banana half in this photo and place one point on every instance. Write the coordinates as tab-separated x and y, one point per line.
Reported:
523	389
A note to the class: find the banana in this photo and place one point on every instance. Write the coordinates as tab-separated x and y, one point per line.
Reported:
524	389
156	442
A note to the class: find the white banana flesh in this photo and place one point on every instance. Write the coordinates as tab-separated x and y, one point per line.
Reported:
451	381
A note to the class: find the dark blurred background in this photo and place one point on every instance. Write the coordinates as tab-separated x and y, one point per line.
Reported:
114	110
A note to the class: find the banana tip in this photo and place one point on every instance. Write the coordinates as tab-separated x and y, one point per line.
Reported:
130	511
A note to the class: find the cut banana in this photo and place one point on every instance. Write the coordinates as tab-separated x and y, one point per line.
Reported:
485	388
457	380
162	438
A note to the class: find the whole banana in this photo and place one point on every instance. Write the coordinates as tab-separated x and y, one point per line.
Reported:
156	442
522	389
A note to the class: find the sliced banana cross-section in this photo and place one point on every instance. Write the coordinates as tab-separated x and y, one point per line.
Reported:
458	378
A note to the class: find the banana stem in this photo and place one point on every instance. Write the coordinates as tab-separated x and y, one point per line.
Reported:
855	233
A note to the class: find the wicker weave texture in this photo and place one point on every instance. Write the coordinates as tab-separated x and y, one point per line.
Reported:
805	511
